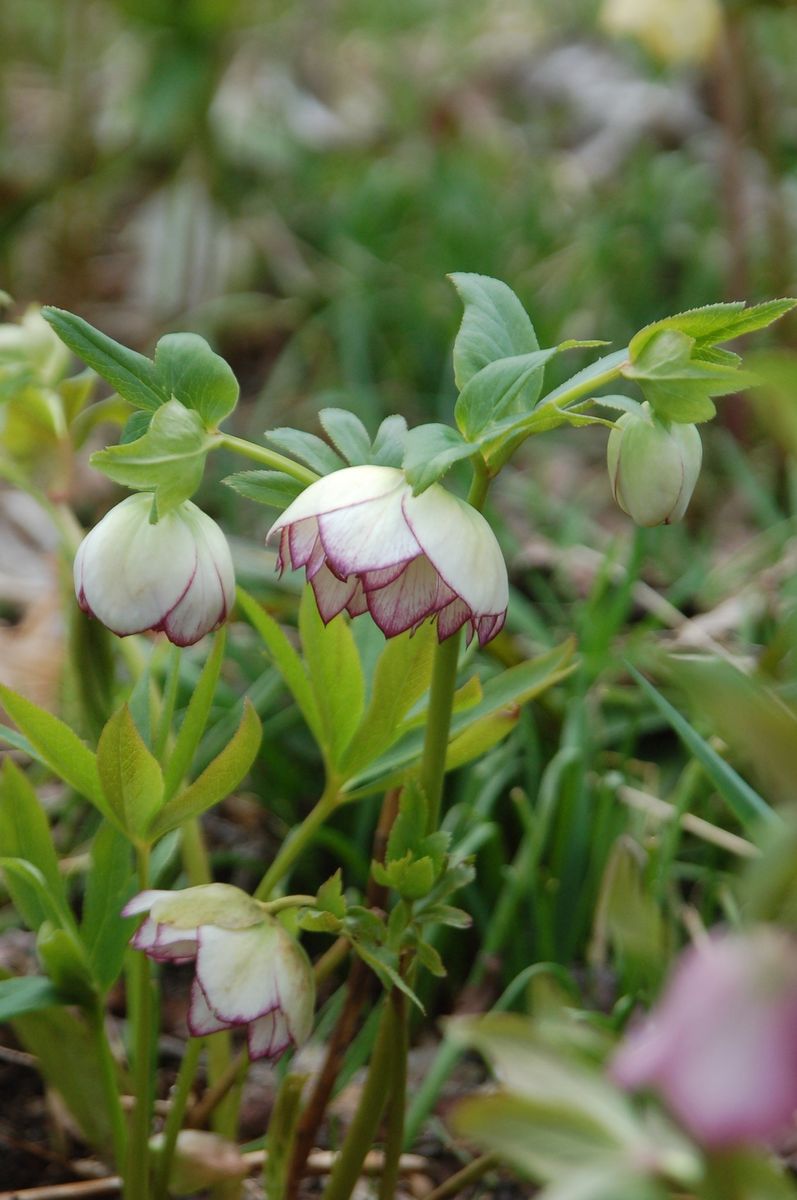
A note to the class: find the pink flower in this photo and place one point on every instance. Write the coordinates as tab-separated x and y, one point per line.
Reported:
176	576
721	1045
368	545
249	970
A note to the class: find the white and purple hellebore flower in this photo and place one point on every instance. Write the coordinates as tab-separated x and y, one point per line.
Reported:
720	1047
249	970
174	577
368	545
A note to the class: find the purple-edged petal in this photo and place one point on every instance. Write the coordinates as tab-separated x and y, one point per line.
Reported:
302	540
201	1018
331	594
358	603
461	546
339	490
269	1035
416	594
236	973
451	618
146	936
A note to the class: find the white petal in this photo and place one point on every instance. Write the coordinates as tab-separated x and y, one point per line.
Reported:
302	540
461	545
352	485
331	594
416	594
146	936
236	971
358	603
129	573
368	536
451	618
211	591
143	902
269	1035
201	1018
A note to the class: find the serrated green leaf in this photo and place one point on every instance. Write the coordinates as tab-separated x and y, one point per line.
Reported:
131	776
386	972
307	448
265	487
189	371
135	426
169	459
500	389
286	660
389	443
25	833
430	451
409	827
57	746
330	896
348	435
715	323
133	375
221	777
494	325
336	675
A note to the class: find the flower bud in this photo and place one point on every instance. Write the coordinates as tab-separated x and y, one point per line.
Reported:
249	970
653	466
721	1045
175	576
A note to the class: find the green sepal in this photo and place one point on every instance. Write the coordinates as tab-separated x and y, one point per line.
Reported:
169	459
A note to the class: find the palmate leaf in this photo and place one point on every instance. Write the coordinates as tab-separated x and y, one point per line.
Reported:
494	325
715	323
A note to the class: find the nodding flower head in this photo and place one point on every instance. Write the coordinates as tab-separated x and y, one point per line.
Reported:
249	970
721	1045
176	576
368	545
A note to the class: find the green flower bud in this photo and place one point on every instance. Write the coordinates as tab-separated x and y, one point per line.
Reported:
653	466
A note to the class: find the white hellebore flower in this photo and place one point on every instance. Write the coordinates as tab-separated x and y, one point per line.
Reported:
249	970
176	576
368	545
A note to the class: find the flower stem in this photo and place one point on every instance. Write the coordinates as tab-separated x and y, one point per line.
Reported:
167	705
110	1084
268	458
398	1098
438	723
373	1098
275	906
137	1176
296	842
174	1121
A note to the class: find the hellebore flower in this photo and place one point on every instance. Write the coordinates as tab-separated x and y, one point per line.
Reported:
653	466
176	576
249	970
721	1045
368	545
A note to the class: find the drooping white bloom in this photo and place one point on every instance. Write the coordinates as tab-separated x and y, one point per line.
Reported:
176	576
249	970
721	1044
368	545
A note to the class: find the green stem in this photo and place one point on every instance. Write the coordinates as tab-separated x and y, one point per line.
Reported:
295	843
373	1098
110	1085
470	1174
174	1121
167	705
398	1098
268	458
276	906
137	1180
438	724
